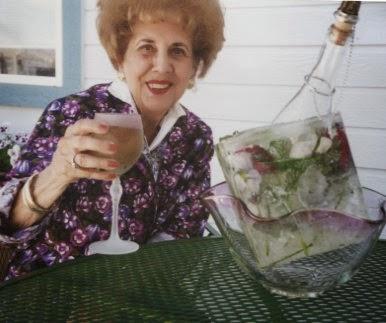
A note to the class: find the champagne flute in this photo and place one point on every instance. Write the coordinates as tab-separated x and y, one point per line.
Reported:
127	131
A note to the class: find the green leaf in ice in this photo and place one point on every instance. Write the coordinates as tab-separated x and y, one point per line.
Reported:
290	255
294	168
273	198
280	148
328	162
243	174
267	248
305	246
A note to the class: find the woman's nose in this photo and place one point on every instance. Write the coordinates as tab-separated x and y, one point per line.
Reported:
162	63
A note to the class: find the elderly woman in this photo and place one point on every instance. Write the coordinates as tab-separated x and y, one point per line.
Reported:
56	200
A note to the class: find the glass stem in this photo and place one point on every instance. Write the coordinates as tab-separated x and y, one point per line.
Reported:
116	194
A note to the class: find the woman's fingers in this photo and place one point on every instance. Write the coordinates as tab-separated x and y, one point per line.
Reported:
89	143
87	166
86	126
92	173
70	144
84	160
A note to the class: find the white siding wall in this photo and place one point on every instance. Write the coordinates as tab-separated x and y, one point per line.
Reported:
270	46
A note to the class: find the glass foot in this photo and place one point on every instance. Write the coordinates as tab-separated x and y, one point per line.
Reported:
112	247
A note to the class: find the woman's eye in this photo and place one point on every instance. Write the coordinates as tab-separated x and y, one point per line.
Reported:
177	51
146	49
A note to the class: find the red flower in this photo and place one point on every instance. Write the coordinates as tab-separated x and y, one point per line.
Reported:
263	167
262	159
344	152
258	152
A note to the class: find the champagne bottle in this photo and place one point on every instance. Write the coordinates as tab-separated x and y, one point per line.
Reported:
303	160
314	98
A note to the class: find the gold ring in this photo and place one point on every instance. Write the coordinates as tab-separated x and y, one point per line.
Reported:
74	164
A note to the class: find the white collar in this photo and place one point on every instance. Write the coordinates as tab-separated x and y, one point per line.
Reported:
120	90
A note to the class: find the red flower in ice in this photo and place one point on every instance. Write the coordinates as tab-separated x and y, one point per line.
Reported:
262	159
344	152
263	167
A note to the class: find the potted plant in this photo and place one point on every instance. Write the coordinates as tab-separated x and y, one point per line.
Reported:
10	147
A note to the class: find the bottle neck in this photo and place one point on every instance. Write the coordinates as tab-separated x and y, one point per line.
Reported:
327	68
314	98
333	52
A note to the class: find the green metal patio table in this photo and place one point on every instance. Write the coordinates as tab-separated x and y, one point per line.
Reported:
194	280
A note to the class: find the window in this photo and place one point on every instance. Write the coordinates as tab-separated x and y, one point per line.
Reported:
39	50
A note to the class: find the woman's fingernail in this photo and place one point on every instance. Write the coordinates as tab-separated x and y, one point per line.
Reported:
103	126
113	164
112	176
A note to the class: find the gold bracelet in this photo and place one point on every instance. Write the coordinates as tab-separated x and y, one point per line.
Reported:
28	199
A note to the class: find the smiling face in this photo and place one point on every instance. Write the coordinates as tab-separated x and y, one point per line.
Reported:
157	66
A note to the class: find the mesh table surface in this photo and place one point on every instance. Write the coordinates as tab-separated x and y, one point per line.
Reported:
180	281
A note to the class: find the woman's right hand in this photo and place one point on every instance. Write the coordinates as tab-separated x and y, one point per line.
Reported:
79	145
78	151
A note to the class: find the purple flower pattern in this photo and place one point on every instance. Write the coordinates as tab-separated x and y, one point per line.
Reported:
71	108
69	220
63	249
82	214
78	237
103	204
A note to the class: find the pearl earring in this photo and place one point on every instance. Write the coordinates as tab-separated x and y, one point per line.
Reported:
191	83
121	76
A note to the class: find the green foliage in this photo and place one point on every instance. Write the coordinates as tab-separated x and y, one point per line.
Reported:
328	163
280	148
294	168
5	164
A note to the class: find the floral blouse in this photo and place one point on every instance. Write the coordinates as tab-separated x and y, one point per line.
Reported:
154	201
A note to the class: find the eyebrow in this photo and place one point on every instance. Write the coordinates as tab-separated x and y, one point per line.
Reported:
144	40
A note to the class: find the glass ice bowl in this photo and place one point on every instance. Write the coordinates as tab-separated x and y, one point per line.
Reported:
302	254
